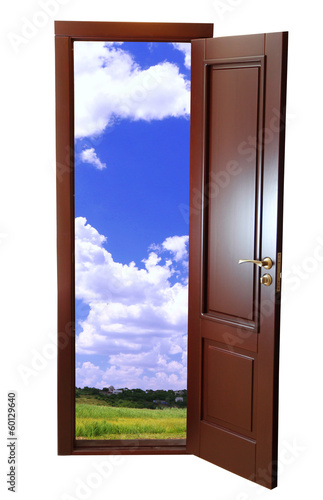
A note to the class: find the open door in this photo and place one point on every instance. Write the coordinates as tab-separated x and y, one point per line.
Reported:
237	156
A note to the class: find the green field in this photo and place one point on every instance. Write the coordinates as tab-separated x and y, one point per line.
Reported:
107	422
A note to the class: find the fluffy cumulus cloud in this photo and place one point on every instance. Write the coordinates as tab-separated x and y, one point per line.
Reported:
88	374
110	85
137	315
89	156
177	245
186	49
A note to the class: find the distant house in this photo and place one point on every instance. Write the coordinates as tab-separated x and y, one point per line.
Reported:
179	400
117	391
111	388
179	392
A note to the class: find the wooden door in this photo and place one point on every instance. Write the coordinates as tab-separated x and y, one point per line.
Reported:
237	148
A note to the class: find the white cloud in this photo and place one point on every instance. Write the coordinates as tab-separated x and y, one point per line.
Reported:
87	233
176	245
110	85
89	156
186	49
89	374
99	277
163	375
93	376
137	318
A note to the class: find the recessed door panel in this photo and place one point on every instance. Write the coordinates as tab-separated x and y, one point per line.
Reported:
232	187
228	387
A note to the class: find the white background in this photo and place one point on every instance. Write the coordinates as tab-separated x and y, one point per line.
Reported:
28	258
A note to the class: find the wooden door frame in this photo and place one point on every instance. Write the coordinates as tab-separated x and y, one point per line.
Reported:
66	32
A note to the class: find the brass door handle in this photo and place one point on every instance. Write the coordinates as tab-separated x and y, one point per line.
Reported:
267	263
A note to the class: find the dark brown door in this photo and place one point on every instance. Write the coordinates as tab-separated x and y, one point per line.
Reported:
237	147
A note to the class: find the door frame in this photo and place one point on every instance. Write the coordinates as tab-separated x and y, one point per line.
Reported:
66	32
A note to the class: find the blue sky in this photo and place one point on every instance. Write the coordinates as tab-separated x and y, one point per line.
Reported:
131	179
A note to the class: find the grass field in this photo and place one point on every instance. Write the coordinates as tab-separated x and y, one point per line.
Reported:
107	422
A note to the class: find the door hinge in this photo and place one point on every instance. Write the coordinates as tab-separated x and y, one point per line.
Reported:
279	271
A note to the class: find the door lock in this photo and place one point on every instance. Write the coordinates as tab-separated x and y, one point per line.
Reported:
266	279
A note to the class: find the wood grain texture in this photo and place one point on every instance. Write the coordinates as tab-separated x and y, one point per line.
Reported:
66	33
157	32
232	191
227	386
247	443
227	448
65	244
194	371
274	127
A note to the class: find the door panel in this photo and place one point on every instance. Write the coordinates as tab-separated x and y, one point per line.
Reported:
237	148
227	387
232	187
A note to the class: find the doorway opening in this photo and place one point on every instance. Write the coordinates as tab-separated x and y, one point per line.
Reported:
131	185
